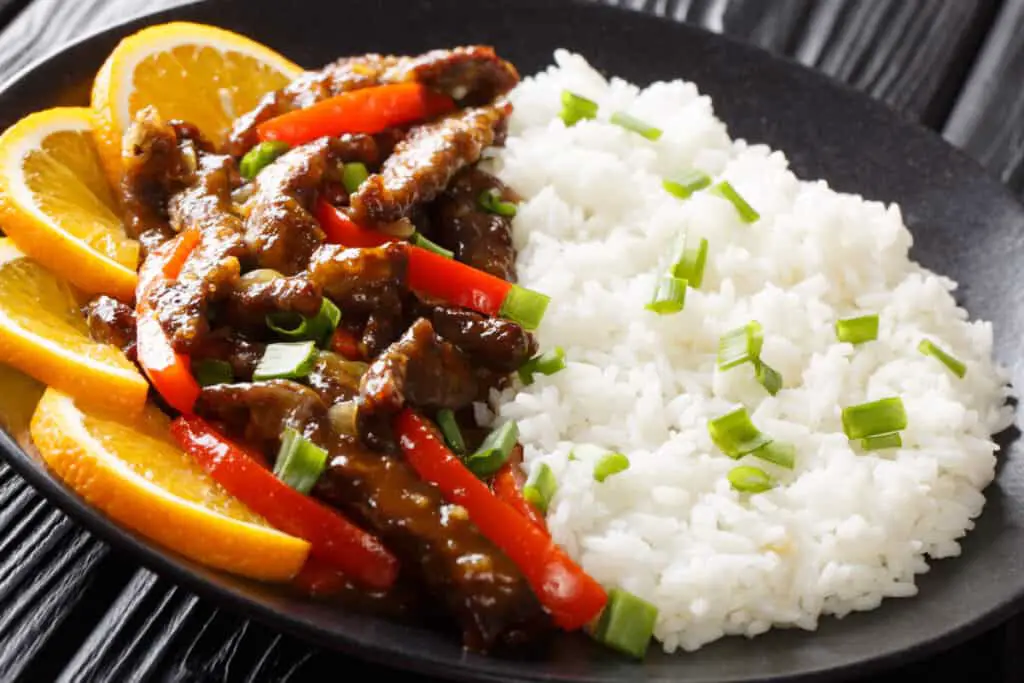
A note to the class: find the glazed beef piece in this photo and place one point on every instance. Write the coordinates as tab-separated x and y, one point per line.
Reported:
425	161
252	299
334	378
472	76
258	412
494	343
111	322
237	350
477	237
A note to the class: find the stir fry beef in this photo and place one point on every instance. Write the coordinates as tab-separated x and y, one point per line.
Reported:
472	76
111	322
258	412
240	352
496	344
335	379
252	299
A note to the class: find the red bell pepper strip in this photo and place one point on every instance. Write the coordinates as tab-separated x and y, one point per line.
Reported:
340	229
509	489
344	343
319	579
333	539
571	596
368	110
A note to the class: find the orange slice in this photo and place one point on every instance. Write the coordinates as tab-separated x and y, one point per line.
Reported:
132	470
57	206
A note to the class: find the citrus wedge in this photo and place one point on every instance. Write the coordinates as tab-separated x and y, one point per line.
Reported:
19	395
200	74
57	206
132	470
44	334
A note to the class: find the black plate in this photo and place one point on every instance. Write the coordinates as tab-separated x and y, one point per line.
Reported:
965	225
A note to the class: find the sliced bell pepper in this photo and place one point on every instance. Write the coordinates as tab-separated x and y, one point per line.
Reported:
340	229
572	597
333	539
344	343
368	110
509	489
319	579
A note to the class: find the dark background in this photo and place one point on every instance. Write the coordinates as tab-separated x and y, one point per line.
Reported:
73	609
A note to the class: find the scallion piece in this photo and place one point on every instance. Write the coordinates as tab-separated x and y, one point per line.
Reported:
735	435
291	360
288	325
610	464
261	156
750	479
422	242
524	306
630	122
491	201
353	175
450	431
300	462
726	191
955	365
768	377
547	363
576	107
686	184
494	451
881	441
669	295
210	371
857	330
690	265
877	417
778	453
540	486
741	345
626	624
318	329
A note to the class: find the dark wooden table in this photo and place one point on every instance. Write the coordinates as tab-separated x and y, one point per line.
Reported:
72	609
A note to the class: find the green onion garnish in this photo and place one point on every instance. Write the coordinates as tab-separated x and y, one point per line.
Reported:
353	175
626	624
288	325
955	365
686	184
491	201
576	107
318	329
547	363
524	306
210	371
261	156
494	451
742	345
725	190
669	295
422	242
768	377
857	330
610	464
735	435
630	122
540	487
290	360
450	431
881	441
777	452
872	419
690	265
749	479
300	462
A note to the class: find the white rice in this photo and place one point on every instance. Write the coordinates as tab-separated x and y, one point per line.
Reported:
844	529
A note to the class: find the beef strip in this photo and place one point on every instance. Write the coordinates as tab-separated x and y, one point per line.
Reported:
419	369
250	301
425	161
334	378
494	343
477	237
258	412
239	351
111	322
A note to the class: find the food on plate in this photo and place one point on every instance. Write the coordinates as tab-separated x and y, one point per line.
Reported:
505	356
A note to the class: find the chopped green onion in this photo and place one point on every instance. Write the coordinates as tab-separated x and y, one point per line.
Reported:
742	345
955	365
290	360
881	441
686	184
491	201
857	330
726	191
610	464
735	435
576	107
690	265
547	363
353	175
872	419
540	486
261	156
778	453
630	122
318	329
750	479
300	462
669	295
626	624
768	377
524	306
210	371
288	325
421	241
450	431
494	451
